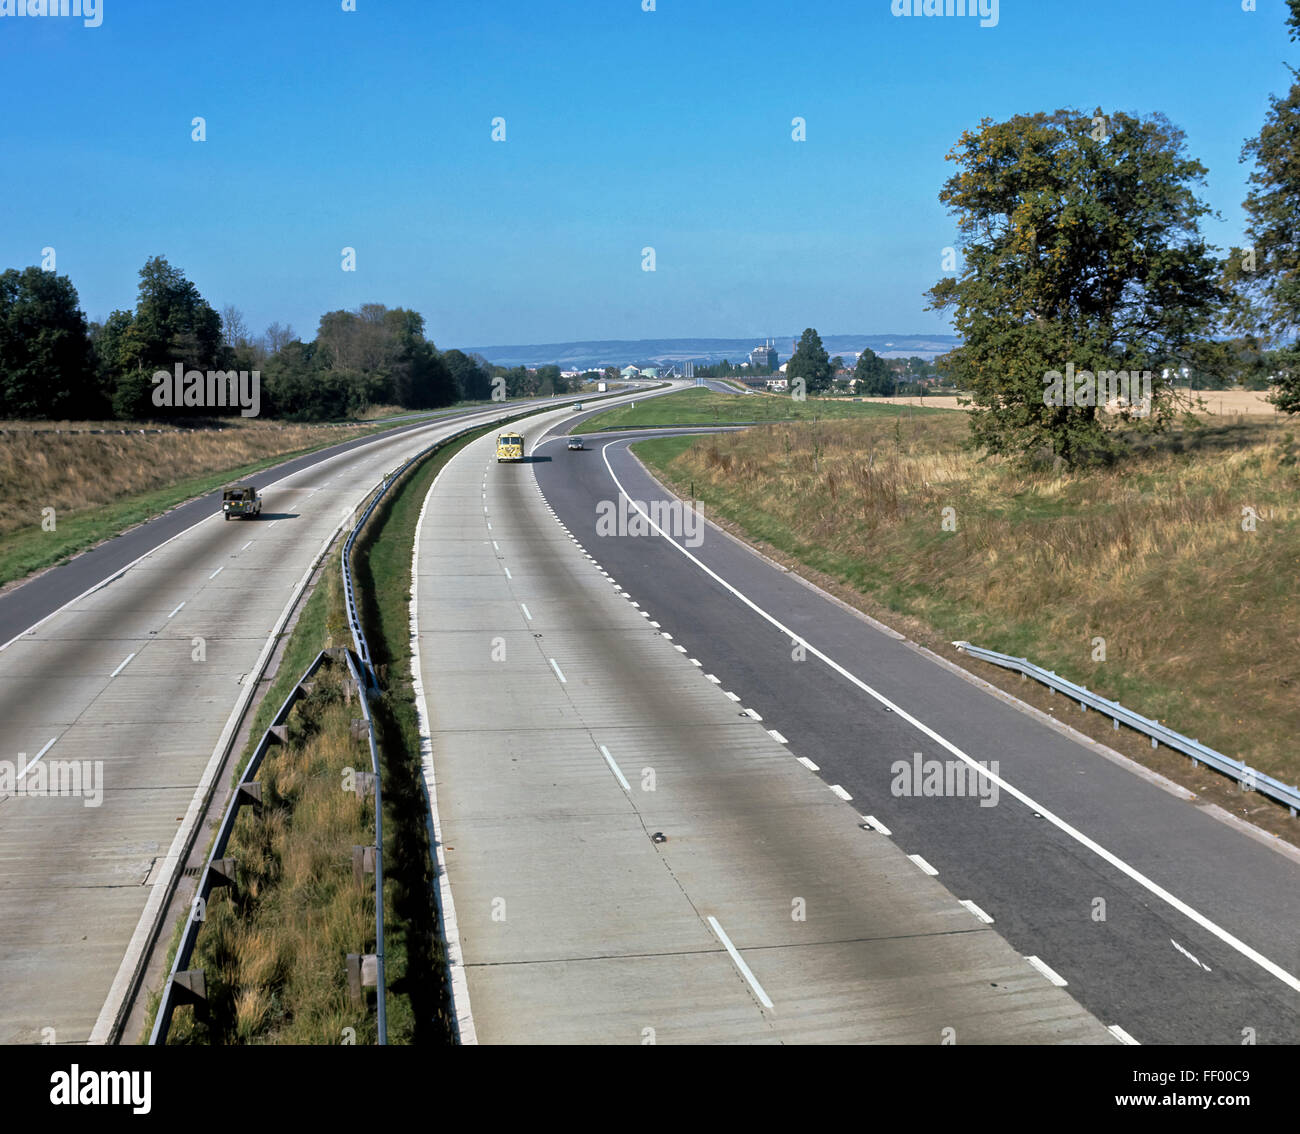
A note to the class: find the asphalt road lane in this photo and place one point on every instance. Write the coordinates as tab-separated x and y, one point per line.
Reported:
1146	966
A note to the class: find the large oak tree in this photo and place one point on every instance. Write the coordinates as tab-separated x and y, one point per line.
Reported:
1081	245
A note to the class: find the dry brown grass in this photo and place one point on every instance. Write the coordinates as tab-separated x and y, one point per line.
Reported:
1218	403
78	470
1201	619
274	950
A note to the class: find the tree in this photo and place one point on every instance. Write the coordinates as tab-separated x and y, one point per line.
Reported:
48	366
172	324
278	337
1082	250
918	368
473	379
550	381
234	331
1267	274
242	351
874	377
811	363
110	343
299	386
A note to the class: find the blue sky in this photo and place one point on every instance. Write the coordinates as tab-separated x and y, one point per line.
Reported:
624	129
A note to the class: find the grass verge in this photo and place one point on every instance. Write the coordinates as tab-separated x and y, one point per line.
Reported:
702	406
101	485
273	948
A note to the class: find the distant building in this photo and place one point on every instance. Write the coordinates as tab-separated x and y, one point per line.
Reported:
650	372
777	384
629	372
763	357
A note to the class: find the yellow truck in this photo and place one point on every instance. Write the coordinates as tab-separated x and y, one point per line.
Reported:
510	447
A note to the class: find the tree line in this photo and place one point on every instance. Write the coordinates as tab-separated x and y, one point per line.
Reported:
55	364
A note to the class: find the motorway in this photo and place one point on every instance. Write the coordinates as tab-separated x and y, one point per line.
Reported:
137	686
632	854
1164	920
584	692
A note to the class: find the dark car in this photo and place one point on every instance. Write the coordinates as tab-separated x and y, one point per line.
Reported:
241	500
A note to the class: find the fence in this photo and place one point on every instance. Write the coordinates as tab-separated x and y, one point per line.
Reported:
1247	777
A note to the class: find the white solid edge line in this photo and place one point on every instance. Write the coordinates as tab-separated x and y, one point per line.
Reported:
1121	1035
739	962
876	825
1251	954
923	865
460	1005
613	767
1048	972
973	908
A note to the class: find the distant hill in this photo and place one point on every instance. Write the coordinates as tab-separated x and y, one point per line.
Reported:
651	352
